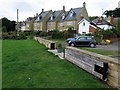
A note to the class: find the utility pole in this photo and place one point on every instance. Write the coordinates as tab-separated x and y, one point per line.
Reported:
17	20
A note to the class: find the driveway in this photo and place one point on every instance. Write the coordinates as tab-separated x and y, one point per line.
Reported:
113	46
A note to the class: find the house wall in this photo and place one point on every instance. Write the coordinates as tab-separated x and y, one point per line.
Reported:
31	25
61	26
23	28
68	24
38	26
84	13
105	27
51	26
44	22
91	29
84	27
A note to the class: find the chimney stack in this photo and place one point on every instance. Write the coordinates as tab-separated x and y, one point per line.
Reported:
42	10
64	8
36	14
84	4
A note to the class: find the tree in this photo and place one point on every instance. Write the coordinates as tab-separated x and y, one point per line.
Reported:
92	17
115	12
9	25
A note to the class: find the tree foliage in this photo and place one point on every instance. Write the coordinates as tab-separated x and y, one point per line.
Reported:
7	25
92	17
115	12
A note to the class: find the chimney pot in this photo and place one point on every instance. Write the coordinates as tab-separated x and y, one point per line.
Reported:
84	4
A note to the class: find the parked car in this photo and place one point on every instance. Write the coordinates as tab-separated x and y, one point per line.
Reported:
82	41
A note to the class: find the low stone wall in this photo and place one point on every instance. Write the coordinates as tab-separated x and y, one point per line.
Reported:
90	62
49	44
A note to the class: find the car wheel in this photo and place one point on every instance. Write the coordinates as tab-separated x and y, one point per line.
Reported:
72	44
92	45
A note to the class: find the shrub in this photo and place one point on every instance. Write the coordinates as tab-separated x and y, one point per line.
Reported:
43	33
57	34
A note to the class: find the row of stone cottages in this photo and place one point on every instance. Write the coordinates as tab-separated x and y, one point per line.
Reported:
75	18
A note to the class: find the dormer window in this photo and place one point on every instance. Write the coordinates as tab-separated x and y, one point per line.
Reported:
51	17
40	17
71	13
63	16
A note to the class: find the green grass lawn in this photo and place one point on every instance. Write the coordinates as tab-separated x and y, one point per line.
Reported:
103	52
27	64
0	64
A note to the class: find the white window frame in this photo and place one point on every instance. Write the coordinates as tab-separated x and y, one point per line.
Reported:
61	24
69	23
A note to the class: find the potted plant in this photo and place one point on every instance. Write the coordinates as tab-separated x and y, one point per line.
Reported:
59	48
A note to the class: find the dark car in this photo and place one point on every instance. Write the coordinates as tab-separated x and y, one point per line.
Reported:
82	41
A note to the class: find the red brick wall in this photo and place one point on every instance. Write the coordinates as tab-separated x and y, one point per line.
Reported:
91	29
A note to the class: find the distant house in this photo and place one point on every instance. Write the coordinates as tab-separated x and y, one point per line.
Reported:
74	16
23	26
40	22
61	24
60	19
86	26
103	24
53	20
27	25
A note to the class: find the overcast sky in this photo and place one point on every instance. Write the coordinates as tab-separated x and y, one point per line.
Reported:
28	8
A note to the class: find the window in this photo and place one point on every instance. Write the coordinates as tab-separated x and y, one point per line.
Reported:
50	24
61	24
63	17
82	38
51	18
71	13
40	17
89	38
27	25
69	23
83	32
83	24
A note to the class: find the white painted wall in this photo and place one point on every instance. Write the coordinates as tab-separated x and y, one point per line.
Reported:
105	27
23	28
84	28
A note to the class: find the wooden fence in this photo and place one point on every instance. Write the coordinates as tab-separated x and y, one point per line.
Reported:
103	67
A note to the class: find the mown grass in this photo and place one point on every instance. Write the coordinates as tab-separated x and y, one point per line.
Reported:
27	64
102	52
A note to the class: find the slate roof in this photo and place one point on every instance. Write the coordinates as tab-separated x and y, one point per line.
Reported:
76	12
29	19
66	13
55	15
41	16
20	24
89	22
99	21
